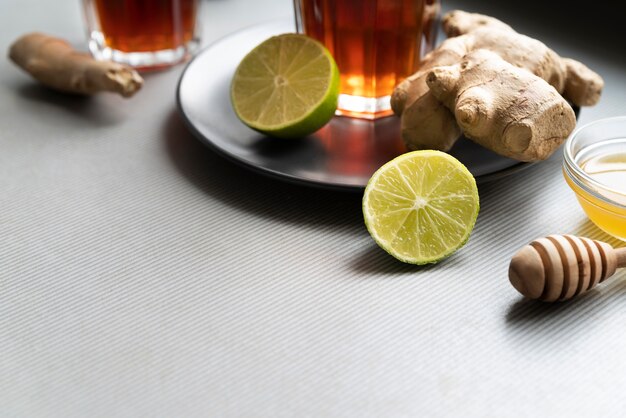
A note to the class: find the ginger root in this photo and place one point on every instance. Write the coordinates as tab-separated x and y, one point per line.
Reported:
581	85
458	22
419	112
56	64
427	124
503	107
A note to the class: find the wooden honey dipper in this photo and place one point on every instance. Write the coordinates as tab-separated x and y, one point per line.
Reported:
560	267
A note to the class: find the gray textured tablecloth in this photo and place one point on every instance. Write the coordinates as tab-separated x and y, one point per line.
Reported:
141	275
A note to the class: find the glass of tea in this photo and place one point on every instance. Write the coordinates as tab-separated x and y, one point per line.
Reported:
376	44
142	33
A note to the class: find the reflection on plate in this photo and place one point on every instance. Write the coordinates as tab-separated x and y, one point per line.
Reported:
342	155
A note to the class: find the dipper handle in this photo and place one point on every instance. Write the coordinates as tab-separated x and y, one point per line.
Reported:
559	267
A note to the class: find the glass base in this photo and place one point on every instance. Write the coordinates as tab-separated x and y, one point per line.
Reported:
364	107
140	60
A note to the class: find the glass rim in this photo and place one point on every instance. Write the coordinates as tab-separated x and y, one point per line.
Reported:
578	175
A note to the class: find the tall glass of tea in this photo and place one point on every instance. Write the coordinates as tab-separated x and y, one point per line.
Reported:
376	44
142	33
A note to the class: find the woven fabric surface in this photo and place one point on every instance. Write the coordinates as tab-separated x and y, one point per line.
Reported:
141	275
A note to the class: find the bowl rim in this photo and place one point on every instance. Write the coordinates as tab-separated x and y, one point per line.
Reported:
570	165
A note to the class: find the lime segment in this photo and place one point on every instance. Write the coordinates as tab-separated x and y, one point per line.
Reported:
286	87
421	206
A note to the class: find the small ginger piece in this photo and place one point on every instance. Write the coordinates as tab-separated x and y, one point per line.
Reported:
54	63
502	107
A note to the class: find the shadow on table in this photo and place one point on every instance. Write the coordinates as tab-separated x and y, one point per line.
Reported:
92	109
556	324
374	260
588	229
526	312
248	191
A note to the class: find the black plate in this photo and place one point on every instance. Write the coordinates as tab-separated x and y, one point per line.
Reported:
342	155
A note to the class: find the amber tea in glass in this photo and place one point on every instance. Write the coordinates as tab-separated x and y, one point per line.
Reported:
376	44
142	33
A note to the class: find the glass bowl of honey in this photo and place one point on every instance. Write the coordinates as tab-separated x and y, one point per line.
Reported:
594	167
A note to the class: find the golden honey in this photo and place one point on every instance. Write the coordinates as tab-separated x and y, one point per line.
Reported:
598	177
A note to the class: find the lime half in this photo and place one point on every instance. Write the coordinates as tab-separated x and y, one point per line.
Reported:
286	87
421	206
